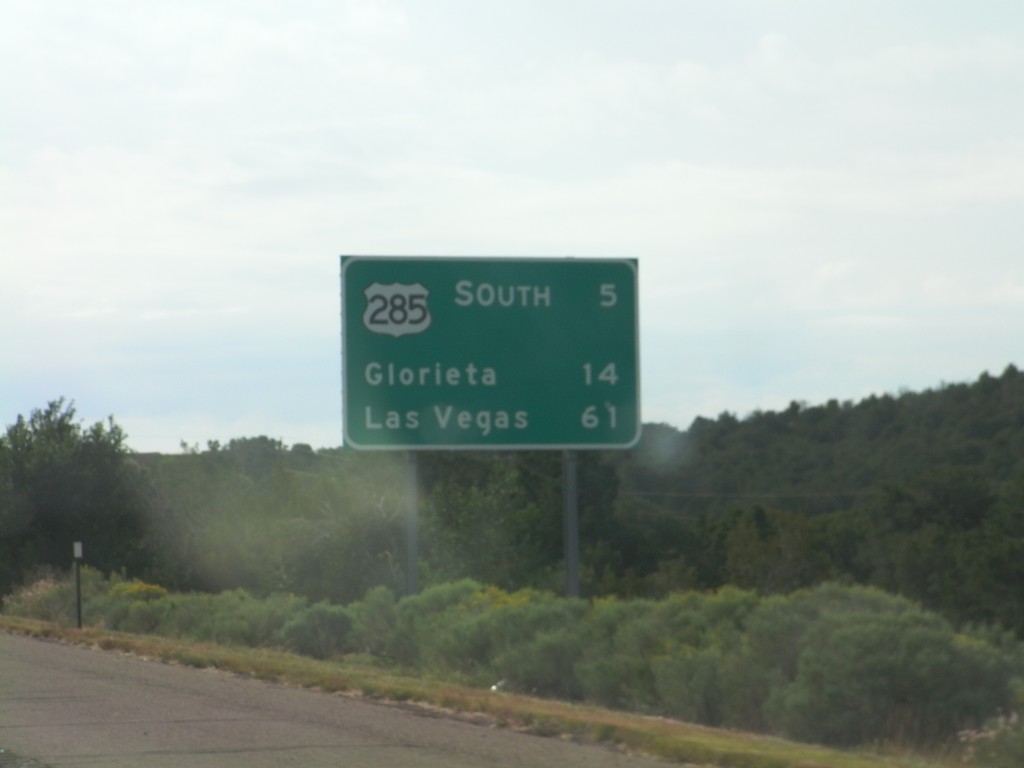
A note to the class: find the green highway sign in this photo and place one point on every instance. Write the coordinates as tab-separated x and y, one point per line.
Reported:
445	353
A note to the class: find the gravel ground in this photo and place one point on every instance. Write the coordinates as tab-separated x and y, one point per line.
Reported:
10	760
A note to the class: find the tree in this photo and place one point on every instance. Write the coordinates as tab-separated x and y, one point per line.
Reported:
773	551
62	482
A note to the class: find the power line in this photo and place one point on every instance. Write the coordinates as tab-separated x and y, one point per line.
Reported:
746	495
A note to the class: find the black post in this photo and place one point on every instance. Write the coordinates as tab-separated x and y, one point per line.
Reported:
78	582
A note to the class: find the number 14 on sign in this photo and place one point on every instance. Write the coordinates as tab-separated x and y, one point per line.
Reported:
608	374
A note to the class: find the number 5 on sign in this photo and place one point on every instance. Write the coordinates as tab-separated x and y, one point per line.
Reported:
609	296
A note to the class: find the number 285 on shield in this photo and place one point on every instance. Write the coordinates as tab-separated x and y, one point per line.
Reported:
396	309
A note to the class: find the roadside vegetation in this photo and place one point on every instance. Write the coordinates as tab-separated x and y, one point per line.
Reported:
849	574
672	740
847	667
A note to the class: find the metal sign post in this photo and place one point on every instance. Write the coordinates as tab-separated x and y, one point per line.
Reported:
411	523
570	492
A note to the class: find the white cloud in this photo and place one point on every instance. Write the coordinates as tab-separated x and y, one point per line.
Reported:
909	65
805	193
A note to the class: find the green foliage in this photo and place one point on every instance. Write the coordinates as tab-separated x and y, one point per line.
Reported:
373	621
44	597
888	676
841	665
834	664
701	537
254	516
688	683
542	665
921	494
49	594
423	623
136	590
474	527
321	631
526	637
774	551
237	617
614	667
999	744
140	616
60	483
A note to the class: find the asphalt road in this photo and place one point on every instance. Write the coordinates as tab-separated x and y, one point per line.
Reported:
65	705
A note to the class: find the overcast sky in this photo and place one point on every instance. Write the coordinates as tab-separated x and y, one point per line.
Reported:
826	199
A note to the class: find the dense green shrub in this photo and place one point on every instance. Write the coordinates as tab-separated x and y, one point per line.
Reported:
422	620
902	675
46	596
999	744
543	664
322	630
688	683
664	656
766	659
136	590
238	618
49	595
128	606
615	666
471	629
373	621
142	617
500	622
187	614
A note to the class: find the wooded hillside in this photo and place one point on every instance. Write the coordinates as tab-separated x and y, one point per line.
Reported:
921	494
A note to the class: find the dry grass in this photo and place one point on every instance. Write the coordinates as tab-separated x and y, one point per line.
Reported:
357	676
